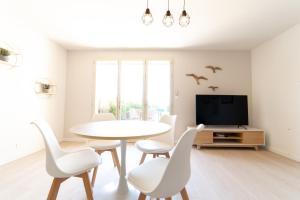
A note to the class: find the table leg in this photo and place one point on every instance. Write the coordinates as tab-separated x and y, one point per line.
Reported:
123	187
120	190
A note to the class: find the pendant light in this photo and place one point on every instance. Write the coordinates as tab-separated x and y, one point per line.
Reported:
184	18
168	19
147	16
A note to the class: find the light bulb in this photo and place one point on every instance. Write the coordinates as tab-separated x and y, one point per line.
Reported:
147	17
168	19
184	19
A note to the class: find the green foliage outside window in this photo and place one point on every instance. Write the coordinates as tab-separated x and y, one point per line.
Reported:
113	109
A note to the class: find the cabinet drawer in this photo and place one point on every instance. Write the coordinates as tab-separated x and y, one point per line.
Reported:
205	137
253	138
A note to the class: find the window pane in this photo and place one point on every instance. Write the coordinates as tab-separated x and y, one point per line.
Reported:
159	75
106	86
132	89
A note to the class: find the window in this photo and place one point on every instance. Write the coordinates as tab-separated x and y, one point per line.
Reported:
158	89
133	89
107	86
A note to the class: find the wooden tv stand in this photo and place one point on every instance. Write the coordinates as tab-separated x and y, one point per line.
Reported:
216	136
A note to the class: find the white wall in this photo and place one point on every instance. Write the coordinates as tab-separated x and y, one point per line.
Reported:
234	79
276	92
18	102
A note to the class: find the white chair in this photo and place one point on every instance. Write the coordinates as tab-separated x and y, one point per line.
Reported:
101	146
159	145
62	165
163	178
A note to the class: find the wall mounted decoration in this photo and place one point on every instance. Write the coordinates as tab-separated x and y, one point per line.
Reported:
9	56
213	88
44	86
213	68
4	54
197	78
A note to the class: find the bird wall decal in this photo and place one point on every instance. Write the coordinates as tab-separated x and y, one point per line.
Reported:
213	87
197	78
214	69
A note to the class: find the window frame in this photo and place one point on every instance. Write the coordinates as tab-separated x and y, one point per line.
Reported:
145	82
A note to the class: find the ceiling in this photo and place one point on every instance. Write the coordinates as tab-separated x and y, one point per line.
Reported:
100	24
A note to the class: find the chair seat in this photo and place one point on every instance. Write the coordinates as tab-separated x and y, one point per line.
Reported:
104	144
76	163
152	146
147	176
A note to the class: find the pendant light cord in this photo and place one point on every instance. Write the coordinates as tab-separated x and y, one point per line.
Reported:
168	5
183	4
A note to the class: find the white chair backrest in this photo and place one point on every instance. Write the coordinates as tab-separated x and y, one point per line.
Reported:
178	170
53	150
167	137
103	117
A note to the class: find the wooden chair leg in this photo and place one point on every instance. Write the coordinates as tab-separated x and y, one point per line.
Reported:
184	194
142	196
167	155
116	159
99	152
94	176
54	188
87	186
143	158
112	156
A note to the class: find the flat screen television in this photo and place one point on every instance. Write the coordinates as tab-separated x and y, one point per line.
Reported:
222	110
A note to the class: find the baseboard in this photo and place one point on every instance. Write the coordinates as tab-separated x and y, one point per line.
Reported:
20	155
285	154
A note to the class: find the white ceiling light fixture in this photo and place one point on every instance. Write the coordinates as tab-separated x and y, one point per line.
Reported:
168	19
184	18
147	16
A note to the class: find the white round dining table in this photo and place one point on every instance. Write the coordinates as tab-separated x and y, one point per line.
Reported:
122	130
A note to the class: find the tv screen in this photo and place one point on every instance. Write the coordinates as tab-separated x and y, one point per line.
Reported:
221	109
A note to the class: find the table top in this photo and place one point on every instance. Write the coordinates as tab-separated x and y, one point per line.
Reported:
120	129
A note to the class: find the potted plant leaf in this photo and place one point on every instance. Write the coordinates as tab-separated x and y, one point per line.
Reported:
4	54
45	87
